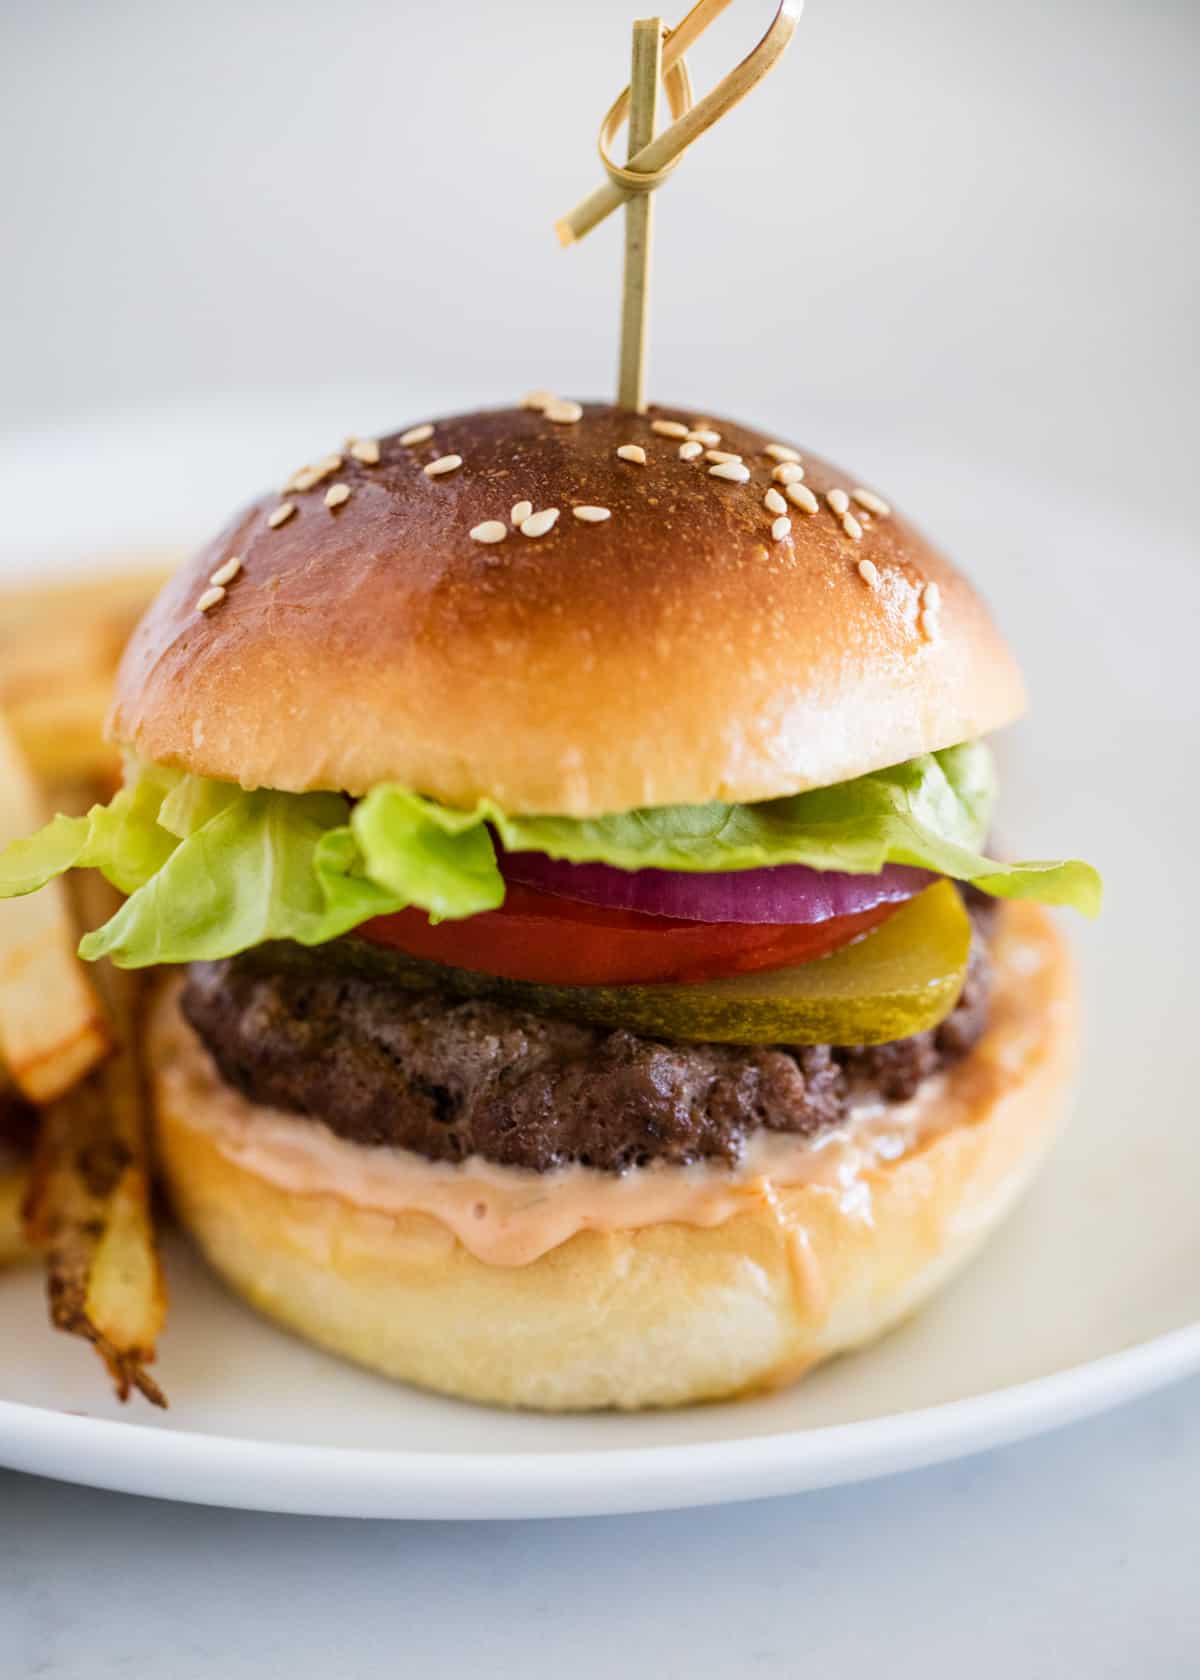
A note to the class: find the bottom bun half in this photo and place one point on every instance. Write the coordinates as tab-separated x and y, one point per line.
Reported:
792	1267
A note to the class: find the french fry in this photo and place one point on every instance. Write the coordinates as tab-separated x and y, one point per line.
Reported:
60	731
15	1148
86	1198
89	1205
112	598
52	1029
88	1193
59	648
13	1187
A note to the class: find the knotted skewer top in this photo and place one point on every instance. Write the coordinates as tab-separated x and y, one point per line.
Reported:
650	166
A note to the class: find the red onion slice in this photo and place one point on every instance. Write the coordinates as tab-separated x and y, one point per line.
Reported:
785	893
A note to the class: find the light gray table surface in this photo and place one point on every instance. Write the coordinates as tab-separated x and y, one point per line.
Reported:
1074	1555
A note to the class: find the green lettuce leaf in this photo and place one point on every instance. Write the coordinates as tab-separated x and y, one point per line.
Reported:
932	812
212	869
262	866
122	839
427	854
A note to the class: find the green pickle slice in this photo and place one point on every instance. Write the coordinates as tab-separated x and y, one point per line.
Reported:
900	979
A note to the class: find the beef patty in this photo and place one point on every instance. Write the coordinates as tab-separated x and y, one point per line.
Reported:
448	1078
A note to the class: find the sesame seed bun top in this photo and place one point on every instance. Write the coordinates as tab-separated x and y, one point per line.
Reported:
683	648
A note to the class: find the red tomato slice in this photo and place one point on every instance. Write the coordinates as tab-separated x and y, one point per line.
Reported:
560	941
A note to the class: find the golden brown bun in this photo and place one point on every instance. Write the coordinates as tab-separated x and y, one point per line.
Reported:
673	654
666	1313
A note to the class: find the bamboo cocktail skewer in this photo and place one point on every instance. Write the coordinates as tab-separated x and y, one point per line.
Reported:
639	215
651	165
658	56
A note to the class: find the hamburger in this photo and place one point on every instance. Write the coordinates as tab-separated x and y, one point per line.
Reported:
563	833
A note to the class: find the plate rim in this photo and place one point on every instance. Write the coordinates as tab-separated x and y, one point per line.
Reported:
312	1479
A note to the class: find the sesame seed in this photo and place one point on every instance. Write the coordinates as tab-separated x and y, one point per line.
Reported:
930	626
869	500
365	450
592	515
226	573
931	597
719	455
280	515
416	434
735	472
774	502
336	495
632	452
309	477
669	428
869	573
539	523
491	531
838	500
788	472
780	527
443	464
709	439
781	452
520	512
851	527
562	412
802	497
688	451
537	399
210	599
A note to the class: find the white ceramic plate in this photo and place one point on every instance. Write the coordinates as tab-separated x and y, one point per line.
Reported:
1091	1294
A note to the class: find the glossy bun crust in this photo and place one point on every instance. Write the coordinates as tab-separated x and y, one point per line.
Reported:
656	1315
674	653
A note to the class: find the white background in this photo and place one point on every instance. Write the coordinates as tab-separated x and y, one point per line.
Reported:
965	232
972	223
